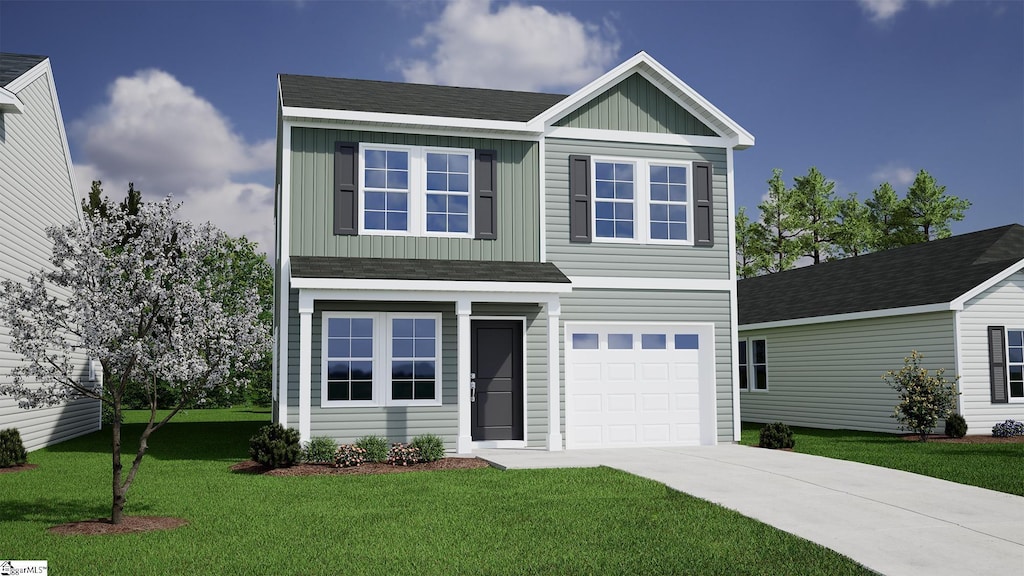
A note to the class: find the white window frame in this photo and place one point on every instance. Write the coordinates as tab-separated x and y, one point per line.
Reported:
751	366
641	200
1009	389
382	357
417	222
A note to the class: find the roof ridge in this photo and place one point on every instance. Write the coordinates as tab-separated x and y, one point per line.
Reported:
440	86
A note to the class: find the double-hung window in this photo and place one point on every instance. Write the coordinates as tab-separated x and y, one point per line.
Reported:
642	201
1015	363
380	359
415	190
753	364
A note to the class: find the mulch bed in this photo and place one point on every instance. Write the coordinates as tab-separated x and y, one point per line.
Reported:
19	468
250	467
128	525
975	439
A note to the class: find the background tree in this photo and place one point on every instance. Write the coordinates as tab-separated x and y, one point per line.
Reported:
853	234
887	219
783	224
147	299
750	251
815	202
929	210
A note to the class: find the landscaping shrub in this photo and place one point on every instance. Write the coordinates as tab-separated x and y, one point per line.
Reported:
349	455
776	435
12	451
375	446
431	447
403	455
1008	429
923	399
320	450
956	426
276	446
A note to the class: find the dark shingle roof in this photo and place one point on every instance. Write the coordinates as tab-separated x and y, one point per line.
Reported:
14	65
418	269
419	99
928	273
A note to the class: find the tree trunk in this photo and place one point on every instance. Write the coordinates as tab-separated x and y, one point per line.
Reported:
117	508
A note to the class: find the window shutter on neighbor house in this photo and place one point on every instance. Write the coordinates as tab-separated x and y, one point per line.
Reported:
346	189
486	194
703	215
579	199
997	364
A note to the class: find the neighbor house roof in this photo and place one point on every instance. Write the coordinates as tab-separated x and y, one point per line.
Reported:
415	99
936	272
424	269
14	65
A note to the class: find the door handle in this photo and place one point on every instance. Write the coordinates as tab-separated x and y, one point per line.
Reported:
472	391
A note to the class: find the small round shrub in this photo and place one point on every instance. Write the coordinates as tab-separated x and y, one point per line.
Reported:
12	451
275	446
376	448
403	455
349	455
1008	428
319	450
776	435
431	447
956	426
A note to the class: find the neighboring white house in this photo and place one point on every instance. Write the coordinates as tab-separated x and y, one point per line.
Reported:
815	341
37	190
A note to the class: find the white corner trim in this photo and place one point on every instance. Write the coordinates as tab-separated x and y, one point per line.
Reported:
958	349
596	134
679	284
542	188
405	119
284	270
383	285
9	103
958	304
924	309
305	371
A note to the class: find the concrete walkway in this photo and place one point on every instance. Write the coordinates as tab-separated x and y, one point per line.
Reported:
890	521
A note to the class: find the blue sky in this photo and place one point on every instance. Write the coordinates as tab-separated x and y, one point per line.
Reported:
180	96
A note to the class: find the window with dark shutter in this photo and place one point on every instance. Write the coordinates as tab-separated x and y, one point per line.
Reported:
346	193
997	363
579	199
486	195
703	216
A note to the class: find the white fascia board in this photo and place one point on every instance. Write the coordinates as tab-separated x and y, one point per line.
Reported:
581	96
677	284
381	286
413	129
958	304
307	296
29	76
420	120
9	103
639	137
923	309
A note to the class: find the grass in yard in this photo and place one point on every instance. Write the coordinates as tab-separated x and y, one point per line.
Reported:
572	521
993	466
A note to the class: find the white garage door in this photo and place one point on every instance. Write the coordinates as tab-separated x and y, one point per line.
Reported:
635	385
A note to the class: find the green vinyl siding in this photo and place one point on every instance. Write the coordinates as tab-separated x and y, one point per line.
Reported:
638	306
634	259
636	105
830	375
311	190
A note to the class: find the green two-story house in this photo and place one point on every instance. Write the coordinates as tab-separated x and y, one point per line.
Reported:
506	269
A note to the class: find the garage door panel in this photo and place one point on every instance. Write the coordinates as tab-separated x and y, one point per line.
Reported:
687	433
687	402
588	403
655	402
622	434
621	402
588	435
621	372
650	372
587	372
657	433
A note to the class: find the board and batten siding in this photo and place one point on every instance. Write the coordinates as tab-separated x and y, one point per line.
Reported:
639	306
633	260
312	184
1000	305
36	192
830	375
635	105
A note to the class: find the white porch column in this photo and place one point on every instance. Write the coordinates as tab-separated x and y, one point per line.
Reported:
305	358
554	310
463	308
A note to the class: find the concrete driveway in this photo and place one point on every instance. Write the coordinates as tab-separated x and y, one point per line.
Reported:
890	521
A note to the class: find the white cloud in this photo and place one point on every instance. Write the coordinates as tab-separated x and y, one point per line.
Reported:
515	46
882	11
162	136
894	174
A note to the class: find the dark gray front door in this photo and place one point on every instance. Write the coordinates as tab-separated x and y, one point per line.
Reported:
497	412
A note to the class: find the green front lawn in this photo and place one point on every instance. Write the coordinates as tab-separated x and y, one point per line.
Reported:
993	466
572	521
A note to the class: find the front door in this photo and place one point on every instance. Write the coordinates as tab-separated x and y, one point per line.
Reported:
497	366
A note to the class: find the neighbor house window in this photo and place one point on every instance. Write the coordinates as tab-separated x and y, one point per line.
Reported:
380	359
646	201
416	190
744	366
753	364
1015	362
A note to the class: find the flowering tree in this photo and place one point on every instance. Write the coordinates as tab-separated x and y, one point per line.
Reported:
923	399
146	298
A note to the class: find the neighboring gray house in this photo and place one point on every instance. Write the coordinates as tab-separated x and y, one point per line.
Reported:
37	190
506	269
815	341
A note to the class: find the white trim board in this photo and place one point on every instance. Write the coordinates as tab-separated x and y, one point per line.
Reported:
407	119
958	303
331	124
384	285
626	283
597	134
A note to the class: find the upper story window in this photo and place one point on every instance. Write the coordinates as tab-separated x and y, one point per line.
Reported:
642	201
448	192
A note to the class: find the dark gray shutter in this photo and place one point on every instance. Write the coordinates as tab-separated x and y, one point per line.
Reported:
703	215
579	199
997	363
486	195
346	189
